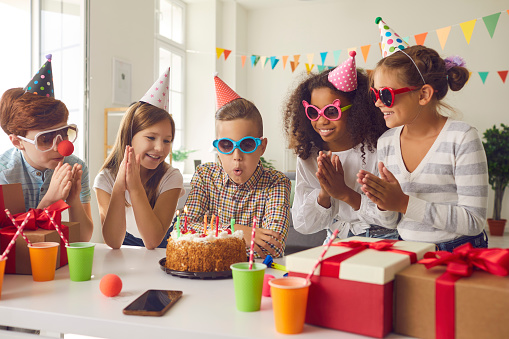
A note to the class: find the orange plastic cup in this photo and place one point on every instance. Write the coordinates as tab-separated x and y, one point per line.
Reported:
289	302
2	271
43	258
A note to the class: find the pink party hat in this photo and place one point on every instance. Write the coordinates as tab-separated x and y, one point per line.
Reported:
158	94
224	94
390	41
344	77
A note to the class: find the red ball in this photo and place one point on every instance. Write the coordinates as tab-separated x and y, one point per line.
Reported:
65	148
110	285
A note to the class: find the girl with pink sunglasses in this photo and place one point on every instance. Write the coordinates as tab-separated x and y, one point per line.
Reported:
333	129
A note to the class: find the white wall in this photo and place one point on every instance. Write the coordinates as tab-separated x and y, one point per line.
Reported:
125	29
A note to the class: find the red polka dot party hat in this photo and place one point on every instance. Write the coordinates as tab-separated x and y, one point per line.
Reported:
224	94
390	41
344	77
42	82
158	94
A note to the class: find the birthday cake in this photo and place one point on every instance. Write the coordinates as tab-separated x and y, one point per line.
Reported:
205	253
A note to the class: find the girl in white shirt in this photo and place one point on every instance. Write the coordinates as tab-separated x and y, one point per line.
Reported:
433	183
137	191
333	129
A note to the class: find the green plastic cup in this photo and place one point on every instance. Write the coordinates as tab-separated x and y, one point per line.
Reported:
248	285
81	258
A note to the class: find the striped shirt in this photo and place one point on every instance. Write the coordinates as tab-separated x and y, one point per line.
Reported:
265	195
448	190
35	183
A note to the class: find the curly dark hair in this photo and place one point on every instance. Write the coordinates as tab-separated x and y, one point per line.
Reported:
365	122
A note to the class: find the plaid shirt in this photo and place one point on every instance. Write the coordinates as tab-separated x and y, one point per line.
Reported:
35	183
265	195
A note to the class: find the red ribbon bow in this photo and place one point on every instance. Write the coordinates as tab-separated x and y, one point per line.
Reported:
37	219
460	263
330	266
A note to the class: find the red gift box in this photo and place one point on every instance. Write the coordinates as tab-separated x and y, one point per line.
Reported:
38	229
352	290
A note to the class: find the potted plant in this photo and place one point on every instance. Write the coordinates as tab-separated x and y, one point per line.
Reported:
497	154
178	158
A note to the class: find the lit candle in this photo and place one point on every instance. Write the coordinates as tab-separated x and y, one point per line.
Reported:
205	224
185	219
178	224
232	224
217	224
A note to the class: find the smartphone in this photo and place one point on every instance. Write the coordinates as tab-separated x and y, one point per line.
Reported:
153	303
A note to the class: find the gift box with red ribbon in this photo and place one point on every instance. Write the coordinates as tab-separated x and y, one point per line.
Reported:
464	294
352	289
38	229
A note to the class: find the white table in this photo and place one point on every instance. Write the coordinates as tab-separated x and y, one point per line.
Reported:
206	309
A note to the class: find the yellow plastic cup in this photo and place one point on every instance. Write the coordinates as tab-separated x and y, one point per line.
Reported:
43	258
2	271
289	302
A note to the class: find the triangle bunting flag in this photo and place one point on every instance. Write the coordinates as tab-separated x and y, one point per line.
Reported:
309	67
310	57
483	76
243	58
321	68
294	65
263	60
254	60
336	56
273	61
226	53
443	34
468	28
296	59
503	75
365	51
323	55
420	38
491	23
285	59
219	51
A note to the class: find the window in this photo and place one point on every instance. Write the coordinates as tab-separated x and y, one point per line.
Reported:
58	30
62	35
170	52
15	62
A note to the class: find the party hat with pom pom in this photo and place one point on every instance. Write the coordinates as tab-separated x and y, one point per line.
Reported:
158	94
344	77
42	82
224	94
390	41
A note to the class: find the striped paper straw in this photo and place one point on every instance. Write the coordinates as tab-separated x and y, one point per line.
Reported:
320	258
15	224
56	227
251	251
13	240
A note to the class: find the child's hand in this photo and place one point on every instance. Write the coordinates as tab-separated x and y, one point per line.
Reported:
132	171
74	193
60	184
262	239
332	176
384	191
323	195
120	179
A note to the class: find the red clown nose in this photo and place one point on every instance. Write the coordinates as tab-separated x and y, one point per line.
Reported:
65	148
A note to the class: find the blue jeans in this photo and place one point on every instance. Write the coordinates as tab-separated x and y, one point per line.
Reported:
477	241
135	241
372	232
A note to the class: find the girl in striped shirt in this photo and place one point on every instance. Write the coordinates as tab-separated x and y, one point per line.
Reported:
433	183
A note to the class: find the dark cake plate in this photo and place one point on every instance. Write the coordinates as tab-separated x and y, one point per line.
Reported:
195	275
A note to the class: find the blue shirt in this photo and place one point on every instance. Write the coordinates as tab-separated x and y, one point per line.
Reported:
35	183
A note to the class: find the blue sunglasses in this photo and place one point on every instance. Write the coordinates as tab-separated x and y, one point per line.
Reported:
246	145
